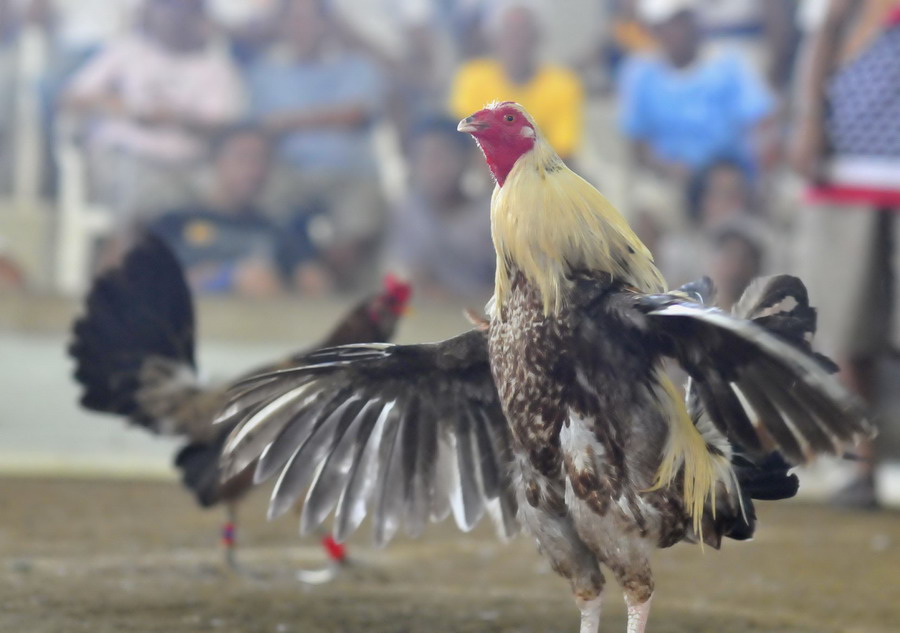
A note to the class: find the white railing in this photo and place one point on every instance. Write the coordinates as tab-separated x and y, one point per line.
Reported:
28	138
80	222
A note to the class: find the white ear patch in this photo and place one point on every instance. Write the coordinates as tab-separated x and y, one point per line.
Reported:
528	131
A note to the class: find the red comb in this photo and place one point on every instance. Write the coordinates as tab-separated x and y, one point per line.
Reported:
399	290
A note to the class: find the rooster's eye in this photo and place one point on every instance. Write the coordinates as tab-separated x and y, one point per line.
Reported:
510	118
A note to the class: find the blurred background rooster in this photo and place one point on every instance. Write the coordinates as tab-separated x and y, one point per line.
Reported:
134	351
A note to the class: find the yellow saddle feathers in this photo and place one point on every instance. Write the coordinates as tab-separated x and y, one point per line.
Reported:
687	450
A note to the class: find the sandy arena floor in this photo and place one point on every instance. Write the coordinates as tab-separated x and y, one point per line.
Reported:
138	557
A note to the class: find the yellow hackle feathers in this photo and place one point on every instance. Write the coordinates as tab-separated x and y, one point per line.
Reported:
547	222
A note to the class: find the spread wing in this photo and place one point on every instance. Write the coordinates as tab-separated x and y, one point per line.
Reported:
764	391
406	433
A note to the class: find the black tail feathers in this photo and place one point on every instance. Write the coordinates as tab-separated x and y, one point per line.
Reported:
199	466
780	304
765	479
139	310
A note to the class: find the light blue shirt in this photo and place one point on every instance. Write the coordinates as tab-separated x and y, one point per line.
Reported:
278	86
696	115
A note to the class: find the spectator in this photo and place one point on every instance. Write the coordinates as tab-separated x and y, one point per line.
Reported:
440	235
420	76
681	110
620	35
75	32
720	192
157	96
322	102
737	254
224	242
763	31
719	200
847	146
247	26
552	94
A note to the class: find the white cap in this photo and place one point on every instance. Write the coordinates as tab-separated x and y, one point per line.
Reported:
658	11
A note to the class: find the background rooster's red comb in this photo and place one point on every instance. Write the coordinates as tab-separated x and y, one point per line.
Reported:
397	288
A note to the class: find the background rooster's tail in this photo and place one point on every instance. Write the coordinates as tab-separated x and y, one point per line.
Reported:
134	346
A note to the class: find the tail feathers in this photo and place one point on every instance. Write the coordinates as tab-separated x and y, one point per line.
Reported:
199	466
201	473
767	479
140	311
770	295
780	304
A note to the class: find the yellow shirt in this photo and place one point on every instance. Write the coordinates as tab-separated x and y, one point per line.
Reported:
554	97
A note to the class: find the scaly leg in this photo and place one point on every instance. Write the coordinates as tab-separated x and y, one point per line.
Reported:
590	614
337	558
229	536
559	542
638	613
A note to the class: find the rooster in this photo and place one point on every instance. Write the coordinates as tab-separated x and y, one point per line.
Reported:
134	354
559	415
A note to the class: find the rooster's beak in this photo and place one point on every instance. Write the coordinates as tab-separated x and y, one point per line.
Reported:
470	125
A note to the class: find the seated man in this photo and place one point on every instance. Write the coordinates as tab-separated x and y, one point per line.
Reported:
321	101
439	237
155	96
225	243
552	94
682	110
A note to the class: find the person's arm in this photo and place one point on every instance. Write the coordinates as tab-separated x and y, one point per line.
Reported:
347	116
756	107
642	155
819	61
93	90
218	102
357	99
781	39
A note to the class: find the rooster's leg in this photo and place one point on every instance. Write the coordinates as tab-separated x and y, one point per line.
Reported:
638	612
590	614
337	558
229	536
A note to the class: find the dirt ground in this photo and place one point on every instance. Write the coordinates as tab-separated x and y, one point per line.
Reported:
114	556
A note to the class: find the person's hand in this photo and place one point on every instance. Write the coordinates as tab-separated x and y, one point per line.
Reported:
312	279
159	116
111	105
281	123
256	278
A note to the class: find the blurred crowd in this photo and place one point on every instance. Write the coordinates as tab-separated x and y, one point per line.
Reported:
255	135
262	138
